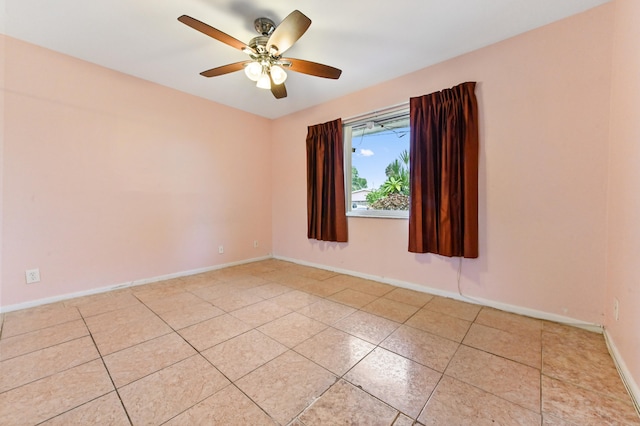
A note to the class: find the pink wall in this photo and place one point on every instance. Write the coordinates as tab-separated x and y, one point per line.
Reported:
544	108
623	266
109	179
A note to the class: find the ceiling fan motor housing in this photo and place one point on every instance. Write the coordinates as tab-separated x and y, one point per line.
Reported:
264	26
259	44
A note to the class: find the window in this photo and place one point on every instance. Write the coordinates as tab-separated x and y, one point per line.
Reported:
376	148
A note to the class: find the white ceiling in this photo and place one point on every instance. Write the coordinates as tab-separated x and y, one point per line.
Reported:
370	41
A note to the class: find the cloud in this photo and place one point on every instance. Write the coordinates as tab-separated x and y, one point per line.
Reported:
366	152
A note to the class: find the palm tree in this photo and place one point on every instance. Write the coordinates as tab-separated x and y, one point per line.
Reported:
397	175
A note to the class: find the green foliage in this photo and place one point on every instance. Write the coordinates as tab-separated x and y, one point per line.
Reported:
393	194
397	176
357	182
396	185
374	196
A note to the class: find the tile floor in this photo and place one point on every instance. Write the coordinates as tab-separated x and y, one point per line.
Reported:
277	343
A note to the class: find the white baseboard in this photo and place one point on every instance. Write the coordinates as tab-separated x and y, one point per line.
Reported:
457	296
625	374
47	300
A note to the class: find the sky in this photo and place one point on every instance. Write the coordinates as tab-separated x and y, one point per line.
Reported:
374	152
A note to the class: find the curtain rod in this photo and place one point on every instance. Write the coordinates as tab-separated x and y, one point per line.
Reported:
376	113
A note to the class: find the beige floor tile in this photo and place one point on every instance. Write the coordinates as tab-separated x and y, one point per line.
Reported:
268	265
195	282
216	291
246	282
335	350
160	396
106	410
425	348
324	288
457	403
43	399
146	293
146	358
493	377
296	281
400	382
239	300
390	309
277	276
119	319
209	333
549	420
442	325
183	299
29	342
32	319
106	302
369	327
190	315
244	353
574	337
509	322
139	330
344	404
228	406
227	274
309	272
410	297
260	313
292	329
455	308
46	362
593	370
584	407
326	311
507	379
403	420
353	298
286	385
344	280
295	300
517	347
373	288
270	290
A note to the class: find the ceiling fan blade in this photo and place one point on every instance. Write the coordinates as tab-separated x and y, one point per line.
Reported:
225	69
312	68
278	90
212	32
288	32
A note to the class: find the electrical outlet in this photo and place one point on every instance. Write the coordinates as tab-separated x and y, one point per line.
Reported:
221	249
616	309
255	243
32	275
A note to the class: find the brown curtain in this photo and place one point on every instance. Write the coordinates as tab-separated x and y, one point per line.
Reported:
443	211
326	210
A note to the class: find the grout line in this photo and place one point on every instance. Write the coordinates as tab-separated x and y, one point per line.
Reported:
115	388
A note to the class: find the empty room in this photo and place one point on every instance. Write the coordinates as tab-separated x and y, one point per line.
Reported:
320	213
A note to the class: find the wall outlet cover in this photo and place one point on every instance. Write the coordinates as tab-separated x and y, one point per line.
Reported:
32	275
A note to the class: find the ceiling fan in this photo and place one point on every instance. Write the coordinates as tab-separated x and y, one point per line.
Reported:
267	66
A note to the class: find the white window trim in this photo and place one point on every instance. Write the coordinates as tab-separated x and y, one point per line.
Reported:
346	123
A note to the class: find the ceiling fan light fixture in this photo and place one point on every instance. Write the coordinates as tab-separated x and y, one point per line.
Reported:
253	70
278	75
264	82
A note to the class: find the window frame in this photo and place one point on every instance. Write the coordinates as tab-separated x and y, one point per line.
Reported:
347	125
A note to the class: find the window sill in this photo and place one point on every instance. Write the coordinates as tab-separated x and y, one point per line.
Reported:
380	214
